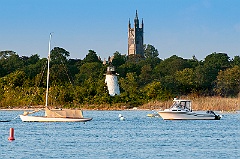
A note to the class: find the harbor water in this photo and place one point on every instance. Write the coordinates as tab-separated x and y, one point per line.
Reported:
107	137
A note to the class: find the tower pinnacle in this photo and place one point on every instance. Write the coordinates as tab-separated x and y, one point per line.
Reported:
129	24
136	21
136	15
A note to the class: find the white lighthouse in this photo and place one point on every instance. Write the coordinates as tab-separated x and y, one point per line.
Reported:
112	81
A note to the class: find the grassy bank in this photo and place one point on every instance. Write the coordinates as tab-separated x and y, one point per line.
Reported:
201	103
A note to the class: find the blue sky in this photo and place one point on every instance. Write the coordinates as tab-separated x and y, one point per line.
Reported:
174	27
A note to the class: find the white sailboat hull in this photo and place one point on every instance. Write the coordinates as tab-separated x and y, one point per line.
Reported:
175	115
26	118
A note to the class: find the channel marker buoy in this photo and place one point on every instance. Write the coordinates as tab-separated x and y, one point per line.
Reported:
11	134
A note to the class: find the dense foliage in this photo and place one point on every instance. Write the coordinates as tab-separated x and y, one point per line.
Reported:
75	82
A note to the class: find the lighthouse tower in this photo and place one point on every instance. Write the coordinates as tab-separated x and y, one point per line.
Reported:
112	81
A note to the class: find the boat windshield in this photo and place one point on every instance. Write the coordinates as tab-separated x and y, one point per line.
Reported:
182	105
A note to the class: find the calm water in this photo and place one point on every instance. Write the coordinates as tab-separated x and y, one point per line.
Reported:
106	137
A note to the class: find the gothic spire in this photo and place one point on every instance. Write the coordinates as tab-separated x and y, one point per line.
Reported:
129	24
136	21
136	15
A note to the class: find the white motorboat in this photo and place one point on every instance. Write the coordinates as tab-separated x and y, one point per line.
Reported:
54	115
182	110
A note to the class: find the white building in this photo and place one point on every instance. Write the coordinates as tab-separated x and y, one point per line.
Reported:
112	81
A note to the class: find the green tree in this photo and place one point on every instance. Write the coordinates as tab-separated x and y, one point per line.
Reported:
153	61
170	84
170	66
130	89
129	84
129	67
33	59
10	62
228	82
32	69
186	80
59	56
14	79
218	61
59	73
102	96
193	63
236	61
207	73
73	66
146	75
118	59
135	58
155	91
90	70
150	51
91	57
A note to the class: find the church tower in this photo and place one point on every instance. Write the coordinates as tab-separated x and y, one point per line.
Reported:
135	38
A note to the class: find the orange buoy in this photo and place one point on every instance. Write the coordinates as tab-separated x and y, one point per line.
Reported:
11	134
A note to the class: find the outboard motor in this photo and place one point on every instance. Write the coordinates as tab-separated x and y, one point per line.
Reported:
217	117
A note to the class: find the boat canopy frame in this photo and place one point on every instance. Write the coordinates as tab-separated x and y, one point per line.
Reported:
182	104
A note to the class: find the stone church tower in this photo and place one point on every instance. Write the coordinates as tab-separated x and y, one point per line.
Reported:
135	38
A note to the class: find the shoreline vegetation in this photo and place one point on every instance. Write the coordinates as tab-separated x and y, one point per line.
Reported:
148	82
198	104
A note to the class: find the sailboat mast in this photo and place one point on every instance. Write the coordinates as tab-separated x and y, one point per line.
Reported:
48	66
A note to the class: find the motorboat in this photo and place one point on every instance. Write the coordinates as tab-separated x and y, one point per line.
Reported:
182	110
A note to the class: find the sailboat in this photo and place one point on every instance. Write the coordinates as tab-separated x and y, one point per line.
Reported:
54	115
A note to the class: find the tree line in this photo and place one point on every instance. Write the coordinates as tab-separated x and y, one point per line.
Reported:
76	82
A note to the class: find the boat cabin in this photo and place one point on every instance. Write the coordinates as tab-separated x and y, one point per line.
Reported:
179	105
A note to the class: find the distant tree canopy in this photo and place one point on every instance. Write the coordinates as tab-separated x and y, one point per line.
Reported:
118	59
150	51
91	57
74	82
